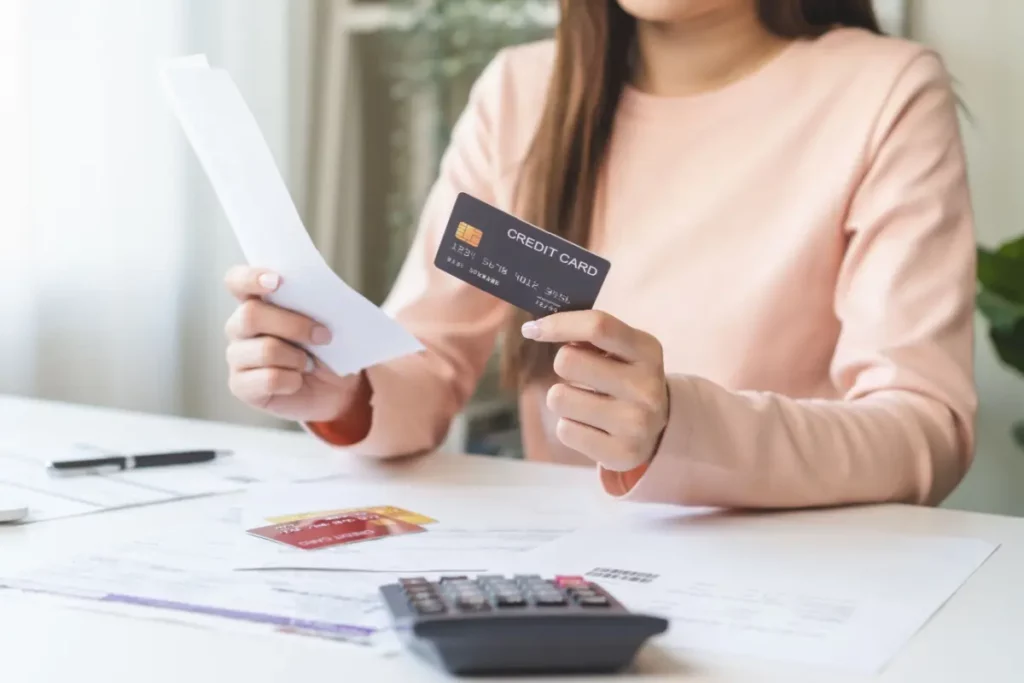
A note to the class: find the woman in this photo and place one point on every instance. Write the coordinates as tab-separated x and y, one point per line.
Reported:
787	321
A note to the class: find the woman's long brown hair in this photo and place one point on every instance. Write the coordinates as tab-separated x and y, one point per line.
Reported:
559	177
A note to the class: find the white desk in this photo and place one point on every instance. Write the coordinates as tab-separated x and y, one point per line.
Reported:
977	636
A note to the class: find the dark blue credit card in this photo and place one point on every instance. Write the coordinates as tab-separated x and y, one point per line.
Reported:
518	262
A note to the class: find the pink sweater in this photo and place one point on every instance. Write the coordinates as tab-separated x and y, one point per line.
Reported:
801	243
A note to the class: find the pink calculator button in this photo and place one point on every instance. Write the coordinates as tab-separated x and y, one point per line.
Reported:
568	581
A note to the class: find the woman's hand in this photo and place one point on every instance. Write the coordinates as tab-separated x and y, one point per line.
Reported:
613	403
268	369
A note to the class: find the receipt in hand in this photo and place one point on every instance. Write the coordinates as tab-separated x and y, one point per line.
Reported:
241	168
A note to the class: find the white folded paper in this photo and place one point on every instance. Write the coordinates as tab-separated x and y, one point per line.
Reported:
233	152
833	599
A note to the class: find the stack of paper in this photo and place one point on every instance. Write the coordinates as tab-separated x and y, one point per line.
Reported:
189	572
217	569
836	600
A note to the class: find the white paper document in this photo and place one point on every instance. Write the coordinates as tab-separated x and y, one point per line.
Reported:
23	477
216	569
842	600
233	152
478	528
187	571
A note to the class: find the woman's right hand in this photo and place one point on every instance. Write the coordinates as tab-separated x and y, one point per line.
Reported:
268	368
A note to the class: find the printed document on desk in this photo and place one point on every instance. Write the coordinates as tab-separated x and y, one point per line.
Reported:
846	601
211	570
188	571
477	527
231	149
23	476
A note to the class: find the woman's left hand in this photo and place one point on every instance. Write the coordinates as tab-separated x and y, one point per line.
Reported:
613	402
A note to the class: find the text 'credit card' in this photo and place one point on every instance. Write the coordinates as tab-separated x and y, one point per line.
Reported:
517	262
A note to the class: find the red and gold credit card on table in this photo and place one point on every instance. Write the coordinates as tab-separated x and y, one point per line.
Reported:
386	510
333	530
329	528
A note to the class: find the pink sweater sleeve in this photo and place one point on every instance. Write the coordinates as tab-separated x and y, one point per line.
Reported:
414	398
902	429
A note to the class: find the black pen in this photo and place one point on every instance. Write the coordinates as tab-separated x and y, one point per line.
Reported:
110	464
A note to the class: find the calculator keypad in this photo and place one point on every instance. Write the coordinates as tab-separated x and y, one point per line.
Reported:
516	624
460	594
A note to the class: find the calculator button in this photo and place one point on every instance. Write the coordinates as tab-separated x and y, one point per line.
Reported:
452	579
418	587
549	600
505	587
428	606
511	601
472	605
595	601
409	584
571	581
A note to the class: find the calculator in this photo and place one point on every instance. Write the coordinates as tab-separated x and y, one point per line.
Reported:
524	624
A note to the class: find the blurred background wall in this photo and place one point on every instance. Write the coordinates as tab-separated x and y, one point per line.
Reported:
982	42
112	245
112	290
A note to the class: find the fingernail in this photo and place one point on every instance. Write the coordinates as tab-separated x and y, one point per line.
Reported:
321	335
269	281
531	330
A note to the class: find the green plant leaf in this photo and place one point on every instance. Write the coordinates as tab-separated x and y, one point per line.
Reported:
1009	345
1000	312
1013	249
1003	272
1001	299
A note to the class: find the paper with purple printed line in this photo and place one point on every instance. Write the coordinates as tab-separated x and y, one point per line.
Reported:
189	571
